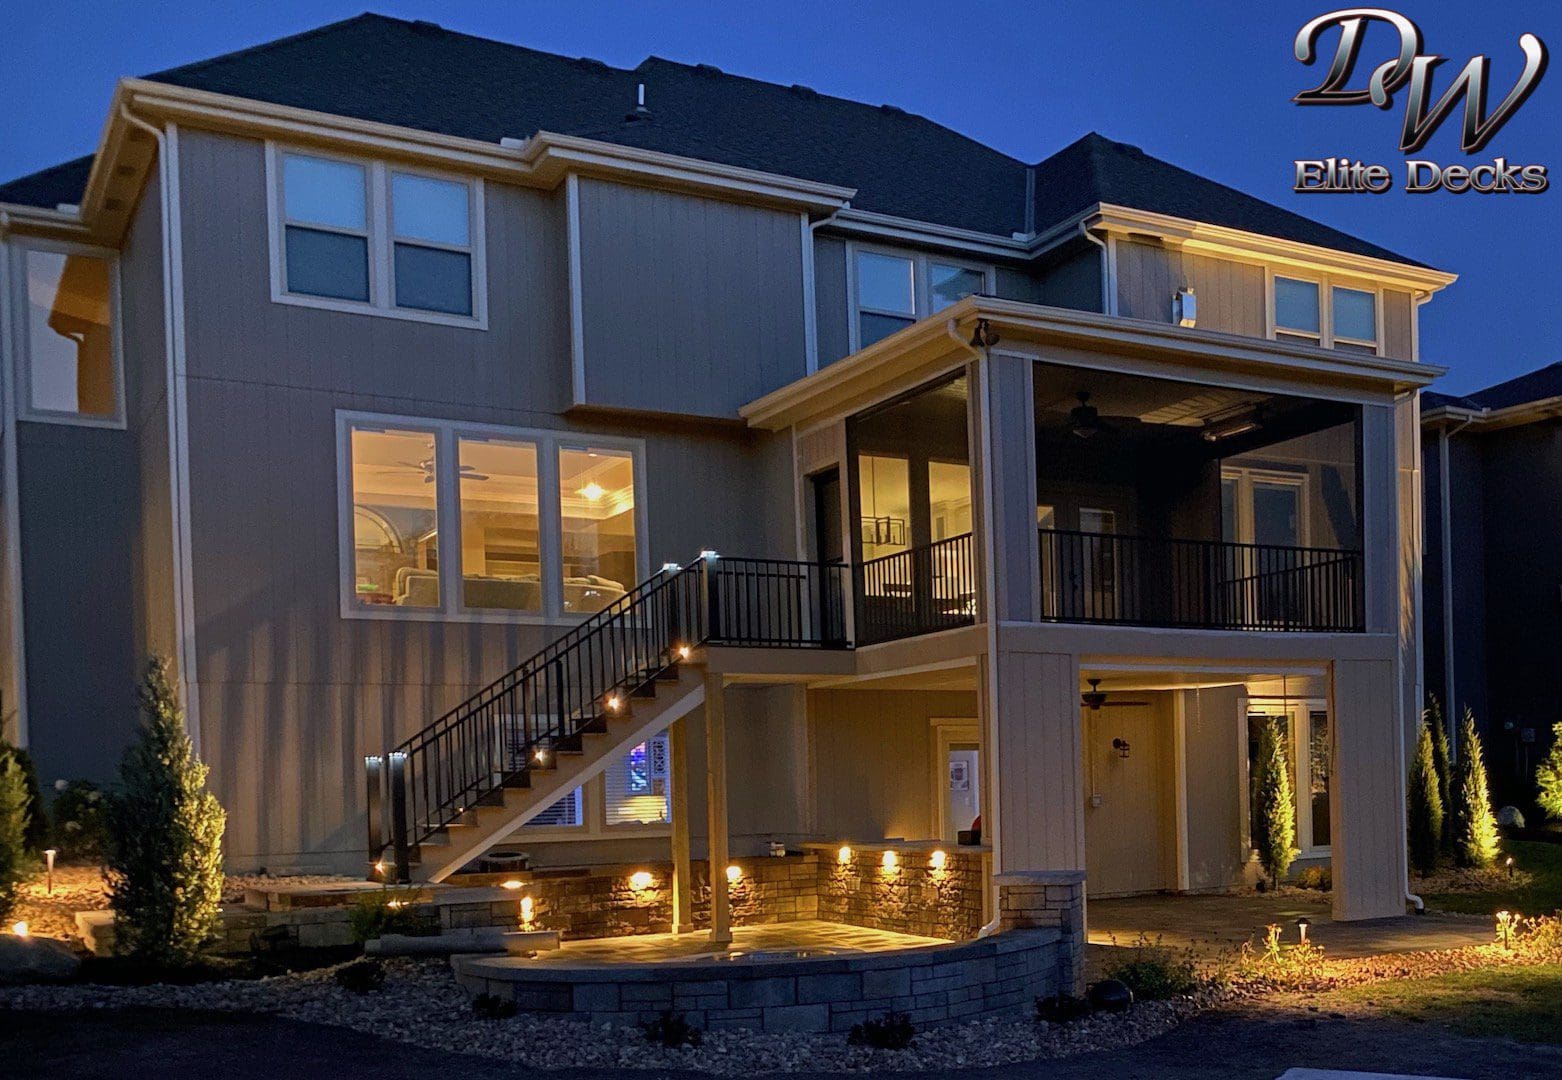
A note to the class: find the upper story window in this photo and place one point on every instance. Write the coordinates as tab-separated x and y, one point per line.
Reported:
451	521
893	291
1335	316
68	335
373	238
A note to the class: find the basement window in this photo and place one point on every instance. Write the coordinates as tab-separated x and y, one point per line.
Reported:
69	335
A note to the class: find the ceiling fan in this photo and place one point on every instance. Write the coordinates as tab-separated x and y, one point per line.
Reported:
1084	419
1095	698
426	467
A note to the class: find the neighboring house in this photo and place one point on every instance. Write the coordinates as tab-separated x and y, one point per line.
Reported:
356	368
1493	474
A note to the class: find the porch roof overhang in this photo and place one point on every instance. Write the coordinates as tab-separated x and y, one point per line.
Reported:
1155	346
1459	417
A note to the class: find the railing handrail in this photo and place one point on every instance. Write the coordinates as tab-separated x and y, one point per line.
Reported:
1205	541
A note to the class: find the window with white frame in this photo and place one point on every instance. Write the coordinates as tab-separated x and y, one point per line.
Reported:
66	300
458	521
633	793
1263	506
1304	733
370	237
894	290
1322	313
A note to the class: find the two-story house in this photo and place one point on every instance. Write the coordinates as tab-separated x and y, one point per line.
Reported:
529	435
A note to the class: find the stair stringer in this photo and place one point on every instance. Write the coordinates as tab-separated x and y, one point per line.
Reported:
548	786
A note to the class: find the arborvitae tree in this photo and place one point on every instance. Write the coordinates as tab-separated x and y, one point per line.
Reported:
165	837
14	815
1426	806
1434	719
1274	811
1475	826
1549	777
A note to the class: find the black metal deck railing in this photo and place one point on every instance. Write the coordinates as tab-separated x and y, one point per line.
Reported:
917	591
475	750
1206	584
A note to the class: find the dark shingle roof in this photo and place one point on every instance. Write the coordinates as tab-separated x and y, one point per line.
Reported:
419	75
50	187
1536	385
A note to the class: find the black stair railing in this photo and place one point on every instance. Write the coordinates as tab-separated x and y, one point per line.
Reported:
1204	584
519	722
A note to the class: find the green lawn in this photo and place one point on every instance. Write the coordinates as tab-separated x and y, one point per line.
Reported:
1541	897
1523	1003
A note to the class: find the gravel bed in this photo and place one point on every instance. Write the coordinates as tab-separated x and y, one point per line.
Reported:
421	1003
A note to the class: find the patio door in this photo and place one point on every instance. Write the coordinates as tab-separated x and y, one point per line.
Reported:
1130	802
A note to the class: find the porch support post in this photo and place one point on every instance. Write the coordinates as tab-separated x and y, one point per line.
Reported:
683	881
716	802
1367	792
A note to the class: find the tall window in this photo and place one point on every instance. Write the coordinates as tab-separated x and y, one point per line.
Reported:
1304	732
894	291
535	527
70	363
362	236
597	494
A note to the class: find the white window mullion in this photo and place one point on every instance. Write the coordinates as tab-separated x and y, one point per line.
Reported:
550	514
381	272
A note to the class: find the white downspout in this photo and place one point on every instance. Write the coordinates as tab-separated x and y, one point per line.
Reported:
1108	278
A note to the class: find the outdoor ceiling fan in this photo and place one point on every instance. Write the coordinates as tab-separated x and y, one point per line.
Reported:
1084	419
1095	698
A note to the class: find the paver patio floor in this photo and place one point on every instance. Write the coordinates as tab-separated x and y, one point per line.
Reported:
1220	922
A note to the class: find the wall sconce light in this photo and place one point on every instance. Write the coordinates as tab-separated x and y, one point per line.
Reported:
20	929
640	880
939	859
683	652
1301	928
540	756
526	911
1185	308
891	862
614	702
844	855
734	874
1121	746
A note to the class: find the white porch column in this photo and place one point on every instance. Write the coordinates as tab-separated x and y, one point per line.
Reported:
1031	729
716	803
1367	791
683	881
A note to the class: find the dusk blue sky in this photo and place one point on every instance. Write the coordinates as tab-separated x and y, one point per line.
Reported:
1204	85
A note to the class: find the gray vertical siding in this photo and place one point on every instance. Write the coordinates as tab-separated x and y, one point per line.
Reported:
689	305
292	694
1231	294
832	295
1399	314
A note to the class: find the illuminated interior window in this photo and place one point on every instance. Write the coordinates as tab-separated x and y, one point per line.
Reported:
395	484
564	814
597	503
501	554
638	785
70	335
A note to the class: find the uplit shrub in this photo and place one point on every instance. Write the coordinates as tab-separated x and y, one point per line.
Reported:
37	833
1153	971
1475	826
1316	878
387	910
1549	778
165	838
892	1031
1433	716
1287	966
15	862
1274	817
1425	812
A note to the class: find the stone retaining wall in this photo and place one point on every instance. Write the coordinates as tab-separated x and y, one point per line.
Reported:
913	897
997	976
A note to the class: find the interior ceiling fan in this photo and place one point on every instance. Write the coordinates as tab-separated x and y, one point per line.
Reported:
1095	697
426	467
1084	419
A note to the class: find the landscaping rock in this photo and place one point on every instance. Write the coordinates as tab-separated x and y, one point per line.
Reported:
36	959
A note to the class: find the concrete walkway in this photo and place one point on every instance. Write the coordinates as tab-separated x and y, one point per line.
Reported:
1223	922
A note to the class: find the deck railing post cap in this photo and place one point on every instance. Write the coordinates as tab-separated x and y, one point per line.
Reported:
709	554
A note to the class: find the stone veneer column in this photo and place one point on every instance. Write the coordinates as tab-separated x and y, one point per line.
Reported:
1034	898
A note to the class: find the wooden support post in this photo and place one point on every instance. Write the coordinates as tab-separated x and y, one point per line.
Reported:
683	880
716	798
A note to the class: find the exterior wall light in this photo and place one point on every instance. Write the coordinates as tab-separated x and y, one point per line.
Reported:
939	859
20	929
734	874
640	880
844	855
526	911
1121	746
683	652
891	862
540	755
614	702
512	884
